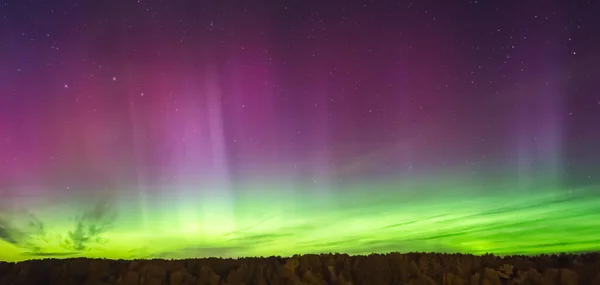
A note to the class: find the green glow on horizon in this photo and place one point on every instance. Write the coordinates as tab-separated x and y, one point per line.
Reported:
264	220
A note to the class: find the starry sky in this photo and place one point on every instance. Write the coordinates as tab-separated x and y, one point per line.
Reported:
218	110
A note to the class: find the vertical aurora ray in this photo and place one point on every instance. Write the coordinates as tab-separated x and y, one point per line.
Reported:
541	114
220	215
141	173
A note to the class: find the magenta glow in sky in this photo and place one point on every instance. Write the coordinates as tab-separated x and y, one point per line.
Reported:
120	96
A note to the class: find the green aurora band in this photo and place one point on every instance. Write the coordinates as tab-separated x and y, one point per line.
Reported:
264	221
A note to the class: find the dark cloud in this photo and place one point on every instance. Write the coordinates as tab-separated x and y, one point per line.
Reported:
51	254
21	235
260	238
7	234
89	227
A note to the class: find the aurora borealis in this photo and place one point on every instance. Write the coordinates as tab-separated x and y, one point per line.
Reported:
178	129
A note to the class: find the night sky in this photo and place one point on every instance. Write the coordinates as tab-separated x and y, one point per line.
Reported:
135	129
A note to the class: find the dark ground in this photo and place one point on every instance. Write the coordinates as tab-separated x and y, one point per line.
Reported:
394	268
